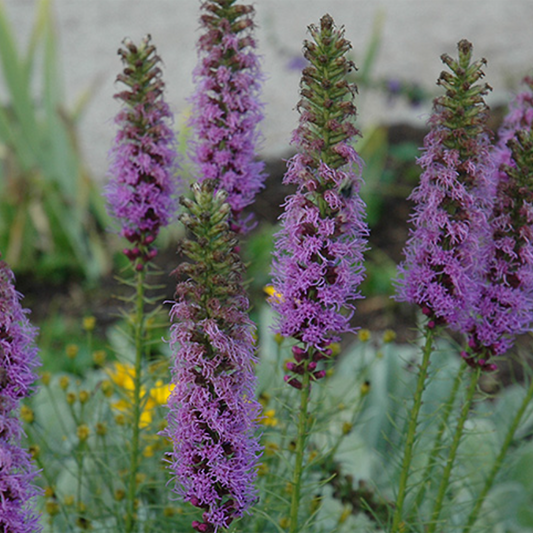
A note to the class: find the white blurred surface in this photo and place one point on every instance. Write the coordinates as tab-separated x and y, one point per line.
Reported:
414	35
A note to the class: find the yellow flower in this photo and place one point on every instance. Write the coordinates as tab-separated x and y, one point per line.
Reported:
27	414
72	350
389	335
364	335
273	293
123	376
269	418
89	323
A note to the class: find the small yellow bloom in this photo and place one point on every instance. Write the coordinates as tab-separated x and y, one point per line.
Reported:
364	335
68	500
101	429
335	348
51	507
64	382
71	398
83	432
262	469
107	388
89	323
365	388
27	414
49	492
45	378
35	451
99	357
84	396
346	428
284	522
72	350
120	495
389	336
273	294
271	448
269	419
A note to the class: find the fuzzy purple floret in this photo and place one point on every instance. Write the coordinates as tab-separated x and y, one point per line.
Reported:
226	112
318	265
213	411
506	306
449	244
142	190
18	359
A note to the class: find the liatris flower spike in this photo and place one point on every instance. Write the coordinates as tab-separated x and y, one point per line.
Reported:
506	308
213	411
226	108
318	264
18	359
141	191
448	246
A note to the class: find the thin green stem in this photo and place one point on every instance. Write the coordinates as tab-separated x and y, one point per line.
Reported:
445	479
411	432
303	419
437	443
138	327
499	460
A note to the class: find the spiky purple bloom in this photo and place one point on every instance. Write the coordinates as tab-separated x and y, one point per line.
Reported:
226	107
449	244
212	409
141	191
506	306
318	263
18	359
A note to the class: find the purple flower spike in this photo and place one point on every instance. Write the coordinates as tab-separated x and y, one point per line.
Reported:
318	264
141	191
226	109
449	244
506	306
213	412
18	359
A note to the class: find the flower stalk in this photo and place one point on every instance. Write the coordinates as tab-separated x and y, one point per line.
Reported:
319	250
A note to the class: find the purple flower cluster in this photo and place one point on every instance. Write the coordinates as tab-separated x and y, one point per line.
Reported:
506	306
142	188
18	359
319	252
226	109
212	409
449	245
318	264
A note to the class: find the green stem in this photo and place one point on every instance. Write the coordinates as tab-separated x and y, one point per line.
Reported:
499	460
445	479
138	327
432	460
300	449
411	433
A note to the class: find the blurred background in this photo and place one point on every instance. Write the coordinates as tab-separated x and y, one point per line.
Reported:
412	34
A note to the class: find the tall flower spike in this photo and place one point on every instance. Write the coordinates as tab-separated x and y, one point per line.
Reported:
226	109
18	359
506	306
212	407
449	243
318	263
141	191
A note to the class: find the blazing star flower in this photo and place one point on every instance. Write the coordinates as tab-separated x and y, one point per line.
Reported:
318	264
448	246
18	359
141	191
226	109
506	306
212	409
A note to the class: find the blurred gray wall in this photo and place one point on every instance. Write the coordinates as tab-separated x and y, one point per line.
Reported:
414	35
